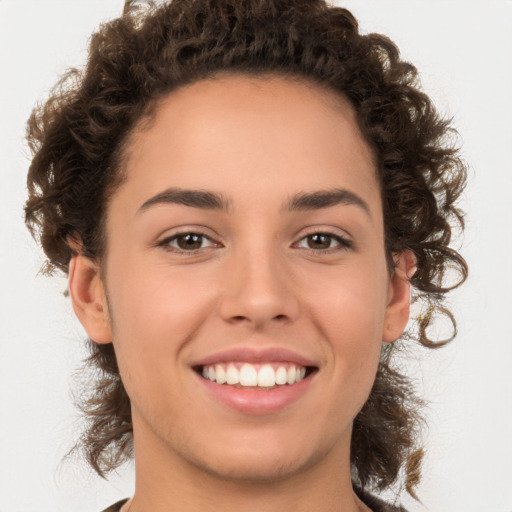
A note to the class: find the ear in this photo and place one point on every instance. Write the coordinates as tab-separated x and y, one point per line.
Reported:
88	298
399	297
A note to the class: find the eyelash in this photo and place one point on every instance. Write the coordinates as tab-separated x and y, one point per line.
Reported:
166	243
343	243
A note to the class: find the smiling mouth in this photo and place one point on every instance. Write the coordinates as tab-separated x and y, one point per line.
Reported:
245	375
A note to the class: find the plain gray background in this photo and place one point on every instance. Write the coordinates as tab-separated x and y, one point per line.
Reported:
463	50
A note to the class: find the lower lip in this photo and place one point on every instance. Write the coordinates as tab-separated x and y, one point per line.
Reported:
255	401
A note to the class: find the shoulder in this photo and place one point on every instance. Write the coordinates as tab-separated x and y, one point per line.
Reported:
116	506
376	504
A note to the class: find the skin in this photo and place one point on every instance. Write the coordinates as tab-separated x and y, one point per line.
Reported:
256	281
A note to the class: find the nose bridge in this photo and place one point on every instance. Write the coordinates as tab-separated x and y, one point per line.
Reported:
258	286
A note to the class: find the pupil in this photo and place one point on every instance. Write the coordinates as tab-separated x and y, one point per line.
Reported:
190	241
319	241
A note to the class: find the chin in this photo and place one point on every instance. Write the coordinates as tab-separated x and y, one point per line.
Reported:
256	472
257	466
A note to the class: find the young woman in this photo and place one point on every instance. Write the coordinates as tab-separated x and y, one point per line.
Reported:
244	195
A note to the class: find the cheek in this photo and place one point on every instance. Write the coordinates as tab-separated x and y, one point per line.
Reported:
154	316
155	309
352	299
350	310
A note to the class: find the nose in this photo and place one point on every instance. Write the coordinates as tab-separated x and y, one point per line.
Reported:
258	290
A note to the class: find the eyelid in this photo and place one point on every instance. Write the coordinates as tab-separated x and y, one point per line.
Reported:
165	241
345	242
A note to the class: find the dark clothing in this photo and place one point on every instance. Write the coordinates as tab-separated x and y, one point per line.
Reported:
116	506
374	503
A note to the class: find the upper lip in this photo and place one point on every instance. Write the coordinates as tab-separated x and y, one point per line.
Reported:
255	355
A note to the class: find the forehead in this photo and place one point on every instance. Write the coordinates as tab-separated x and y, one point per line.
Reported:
236	129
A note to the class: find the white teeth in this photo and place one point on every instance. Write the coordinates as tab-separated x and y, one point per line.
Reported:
248	375
281	375
265	376
291	374
232	375
220	374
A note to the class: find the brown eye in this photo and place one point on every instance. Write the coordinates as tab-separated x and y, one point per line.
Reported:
319	241
187	242
324	242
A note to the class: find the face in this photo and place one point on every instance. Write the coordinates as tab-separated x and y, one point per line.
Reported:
245	285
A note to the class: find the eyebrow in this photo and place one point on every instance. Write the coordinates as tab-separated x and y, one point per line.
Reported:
194	198
324	199
301	201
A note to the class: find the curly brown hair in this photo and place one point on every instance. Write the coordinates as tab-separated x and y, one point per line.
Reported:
79	136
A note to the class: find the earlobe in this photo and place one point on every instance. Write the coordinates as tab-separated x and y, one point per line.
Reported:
399	299
89	299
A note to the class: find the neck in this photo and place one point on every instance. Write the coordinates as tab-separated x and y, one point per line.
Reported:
165	481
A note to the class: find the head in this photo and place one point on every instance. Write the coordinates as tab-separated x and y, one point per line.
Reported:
288	118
